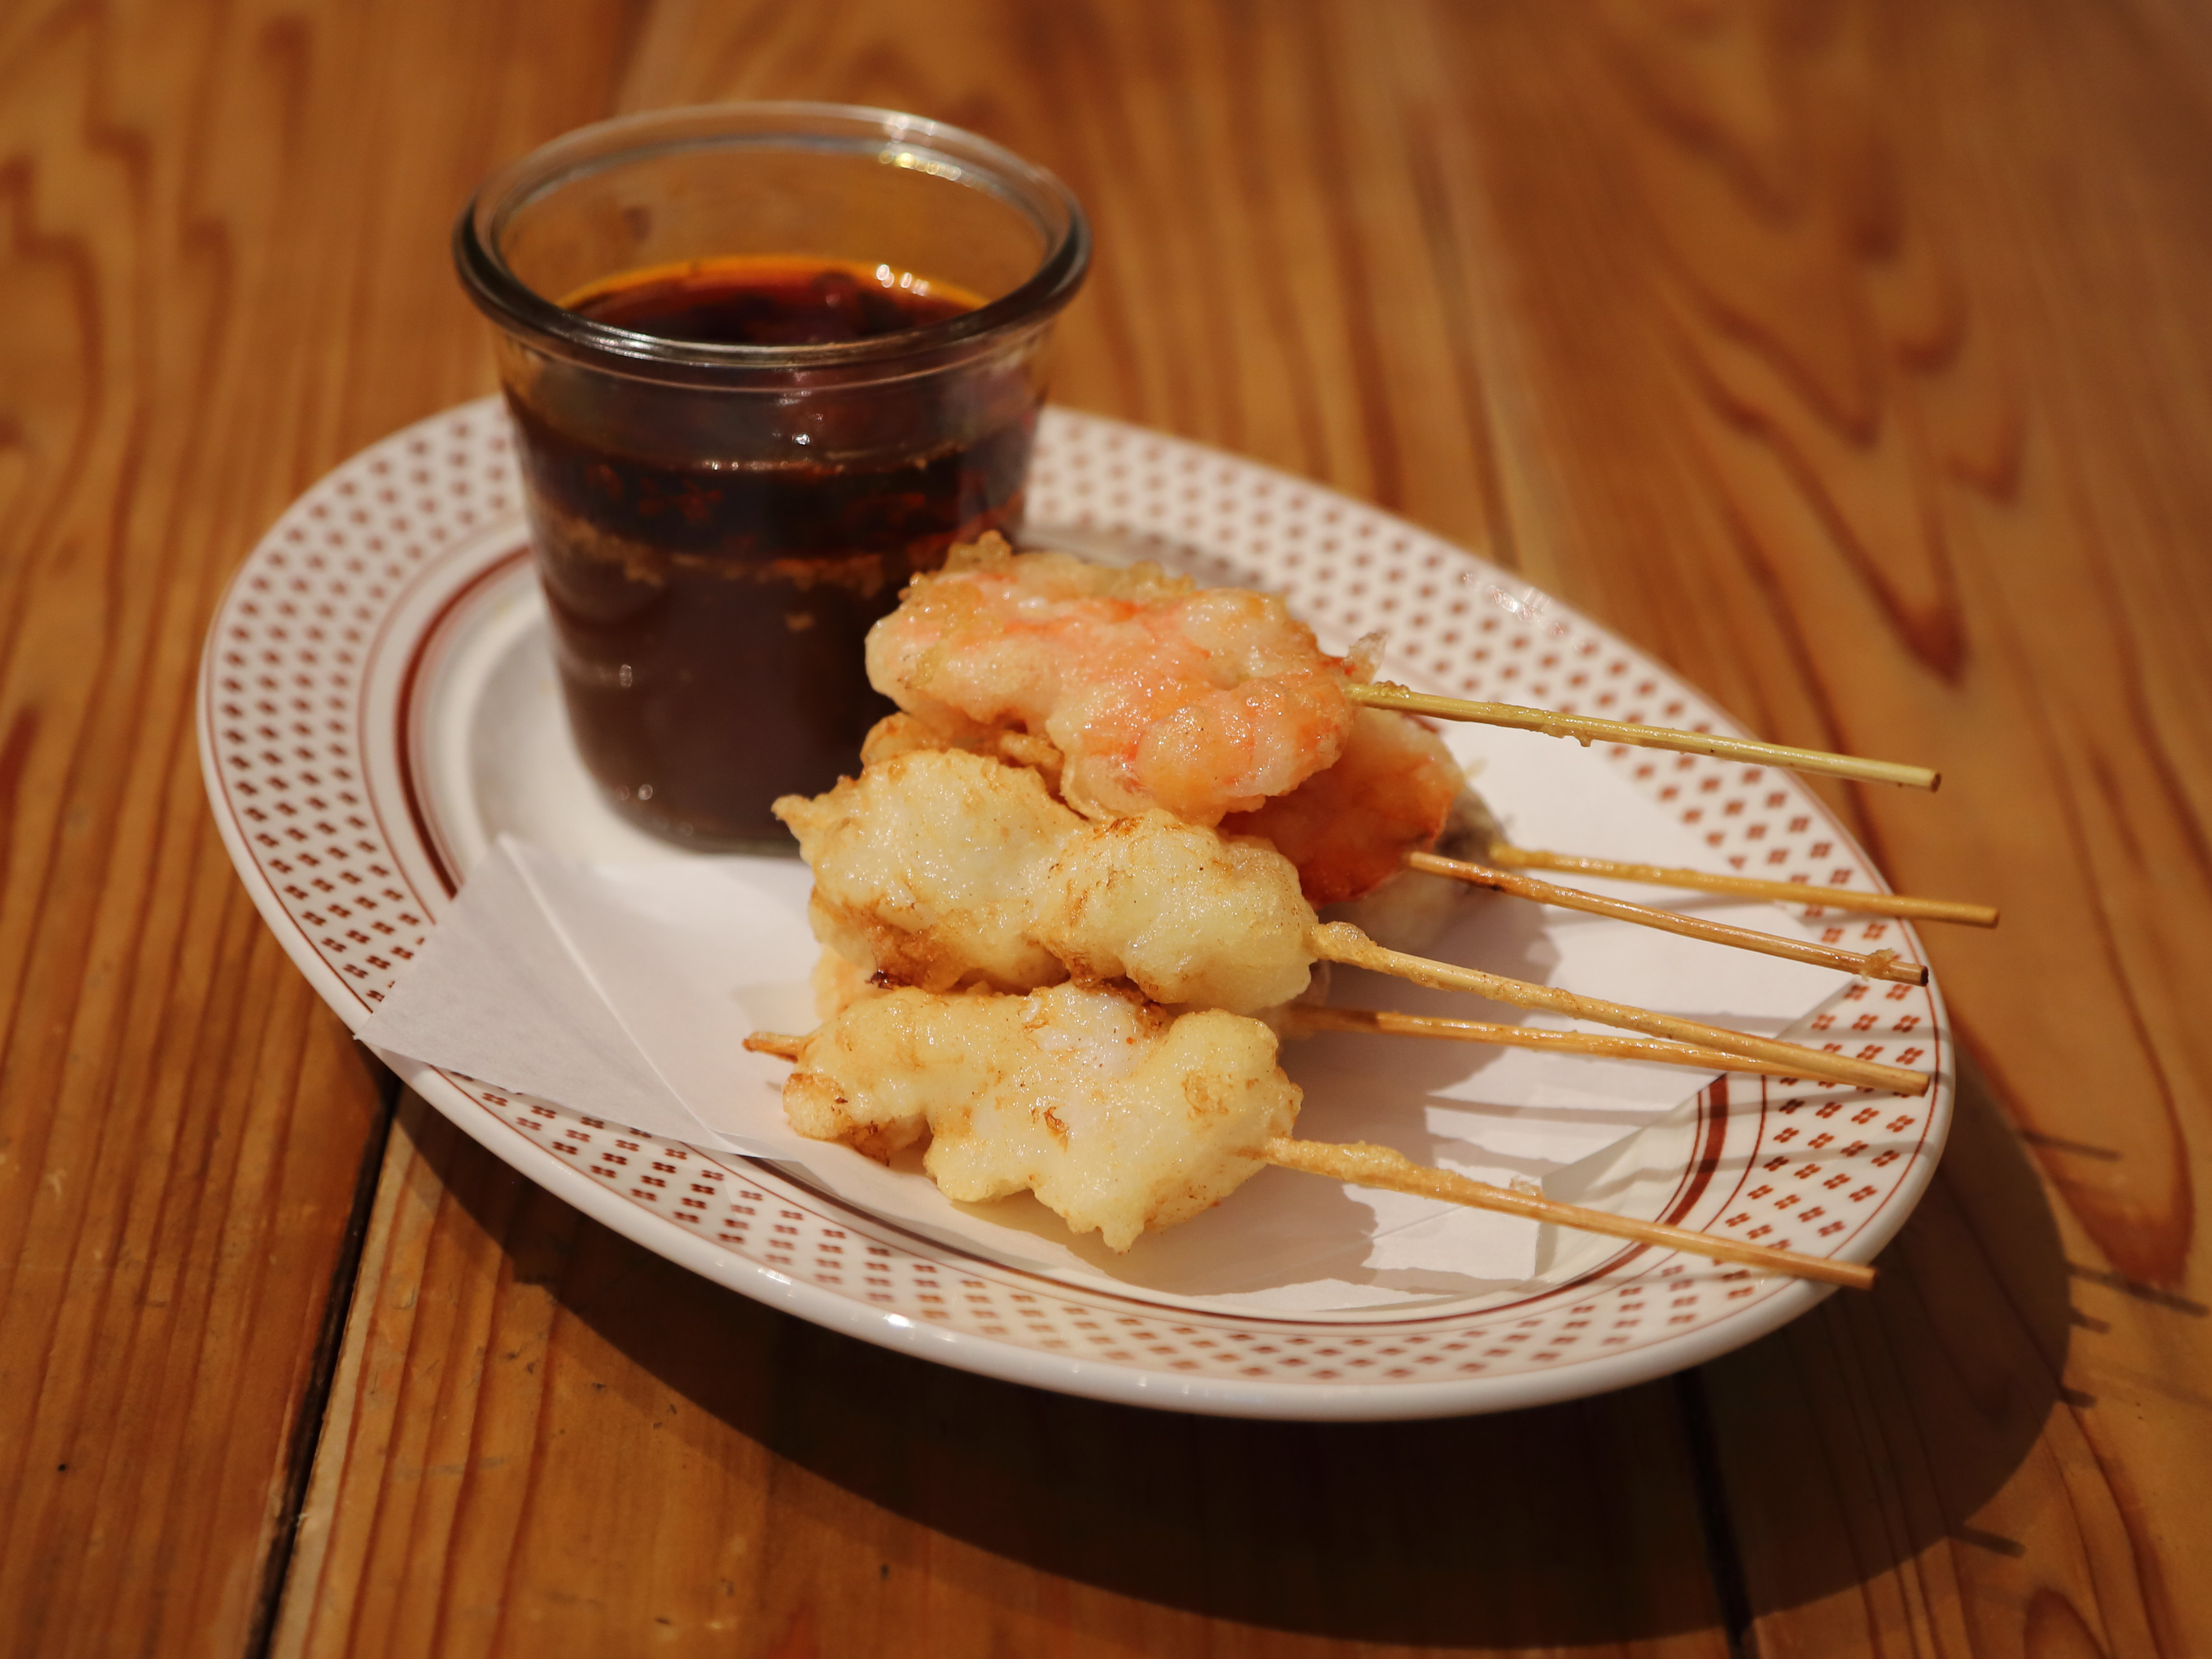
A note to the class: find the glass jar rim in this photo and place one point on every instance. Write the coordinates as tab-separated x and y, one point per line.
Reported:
904	140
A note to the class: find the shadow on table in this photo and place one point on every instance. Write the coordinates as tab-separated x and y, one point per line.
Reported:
1675	1506
1850	1441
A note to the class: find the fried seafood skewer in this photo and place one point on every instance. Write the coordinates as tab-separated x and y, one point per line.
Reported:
1587	729
1119	1117
839	983
1134	690
944	870
1213	704
1317	828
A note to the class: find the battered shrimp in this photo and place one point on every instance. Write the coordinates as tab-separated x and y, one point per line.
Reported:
1349	828
1410	911
1157	692
1119	1117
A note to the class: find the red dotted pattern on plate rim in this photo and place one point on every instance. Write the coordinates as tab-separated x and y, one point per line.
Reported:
286	663
284	675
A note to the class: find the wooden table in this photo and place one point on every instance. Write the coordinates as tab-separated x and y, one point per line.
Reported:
1856	359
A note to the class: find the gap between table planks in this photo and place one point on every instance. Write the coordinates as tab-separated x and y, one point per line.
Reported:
212	288
1754	331
1913	474
545	1440
1750	330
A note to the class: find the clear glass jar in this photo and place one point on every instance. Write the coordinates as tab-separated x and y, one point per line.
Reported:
717	522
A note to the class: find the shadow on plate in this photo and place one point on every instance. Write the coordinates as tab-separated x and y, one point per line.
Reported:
1675	1506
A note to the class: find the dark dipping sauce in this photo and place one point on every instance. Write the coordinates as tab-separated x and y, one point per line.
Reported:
709	615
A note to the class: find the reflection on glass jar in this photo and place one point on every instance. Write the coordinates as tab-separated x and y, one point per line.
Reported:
766	362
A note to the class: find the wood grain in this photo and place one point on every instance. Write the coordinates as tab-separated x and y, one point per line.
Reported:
564	1537
214	288
546	1441
1928	1468
1853	333
1850	354
1267	279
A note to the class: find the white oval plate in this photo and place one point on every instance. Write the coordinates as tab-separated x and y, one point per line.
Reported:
376	705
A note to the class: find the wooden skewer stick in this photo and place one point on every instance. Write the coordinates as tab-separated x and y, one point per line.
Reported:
1882	964
1339	941
1368	1165
1304	1019
1588	729
1785	892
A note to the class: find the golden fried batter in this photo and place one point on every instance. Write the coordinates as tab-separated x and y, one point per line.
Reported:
1119	1117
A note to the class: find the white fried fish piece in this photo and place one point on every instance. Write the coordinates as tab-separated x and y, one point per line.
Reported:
926	868
1190	915
868	1076
1119	1116
838	983
944	869
903	734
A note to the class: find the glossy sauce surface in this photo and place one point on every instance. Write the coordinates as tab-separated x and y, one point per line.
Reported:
769	301
710	614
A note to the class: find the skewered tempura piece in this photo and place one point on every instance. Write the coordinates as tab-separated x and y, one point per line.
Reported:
1201	701
1383	764
1121	1117
1588	729
944	870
